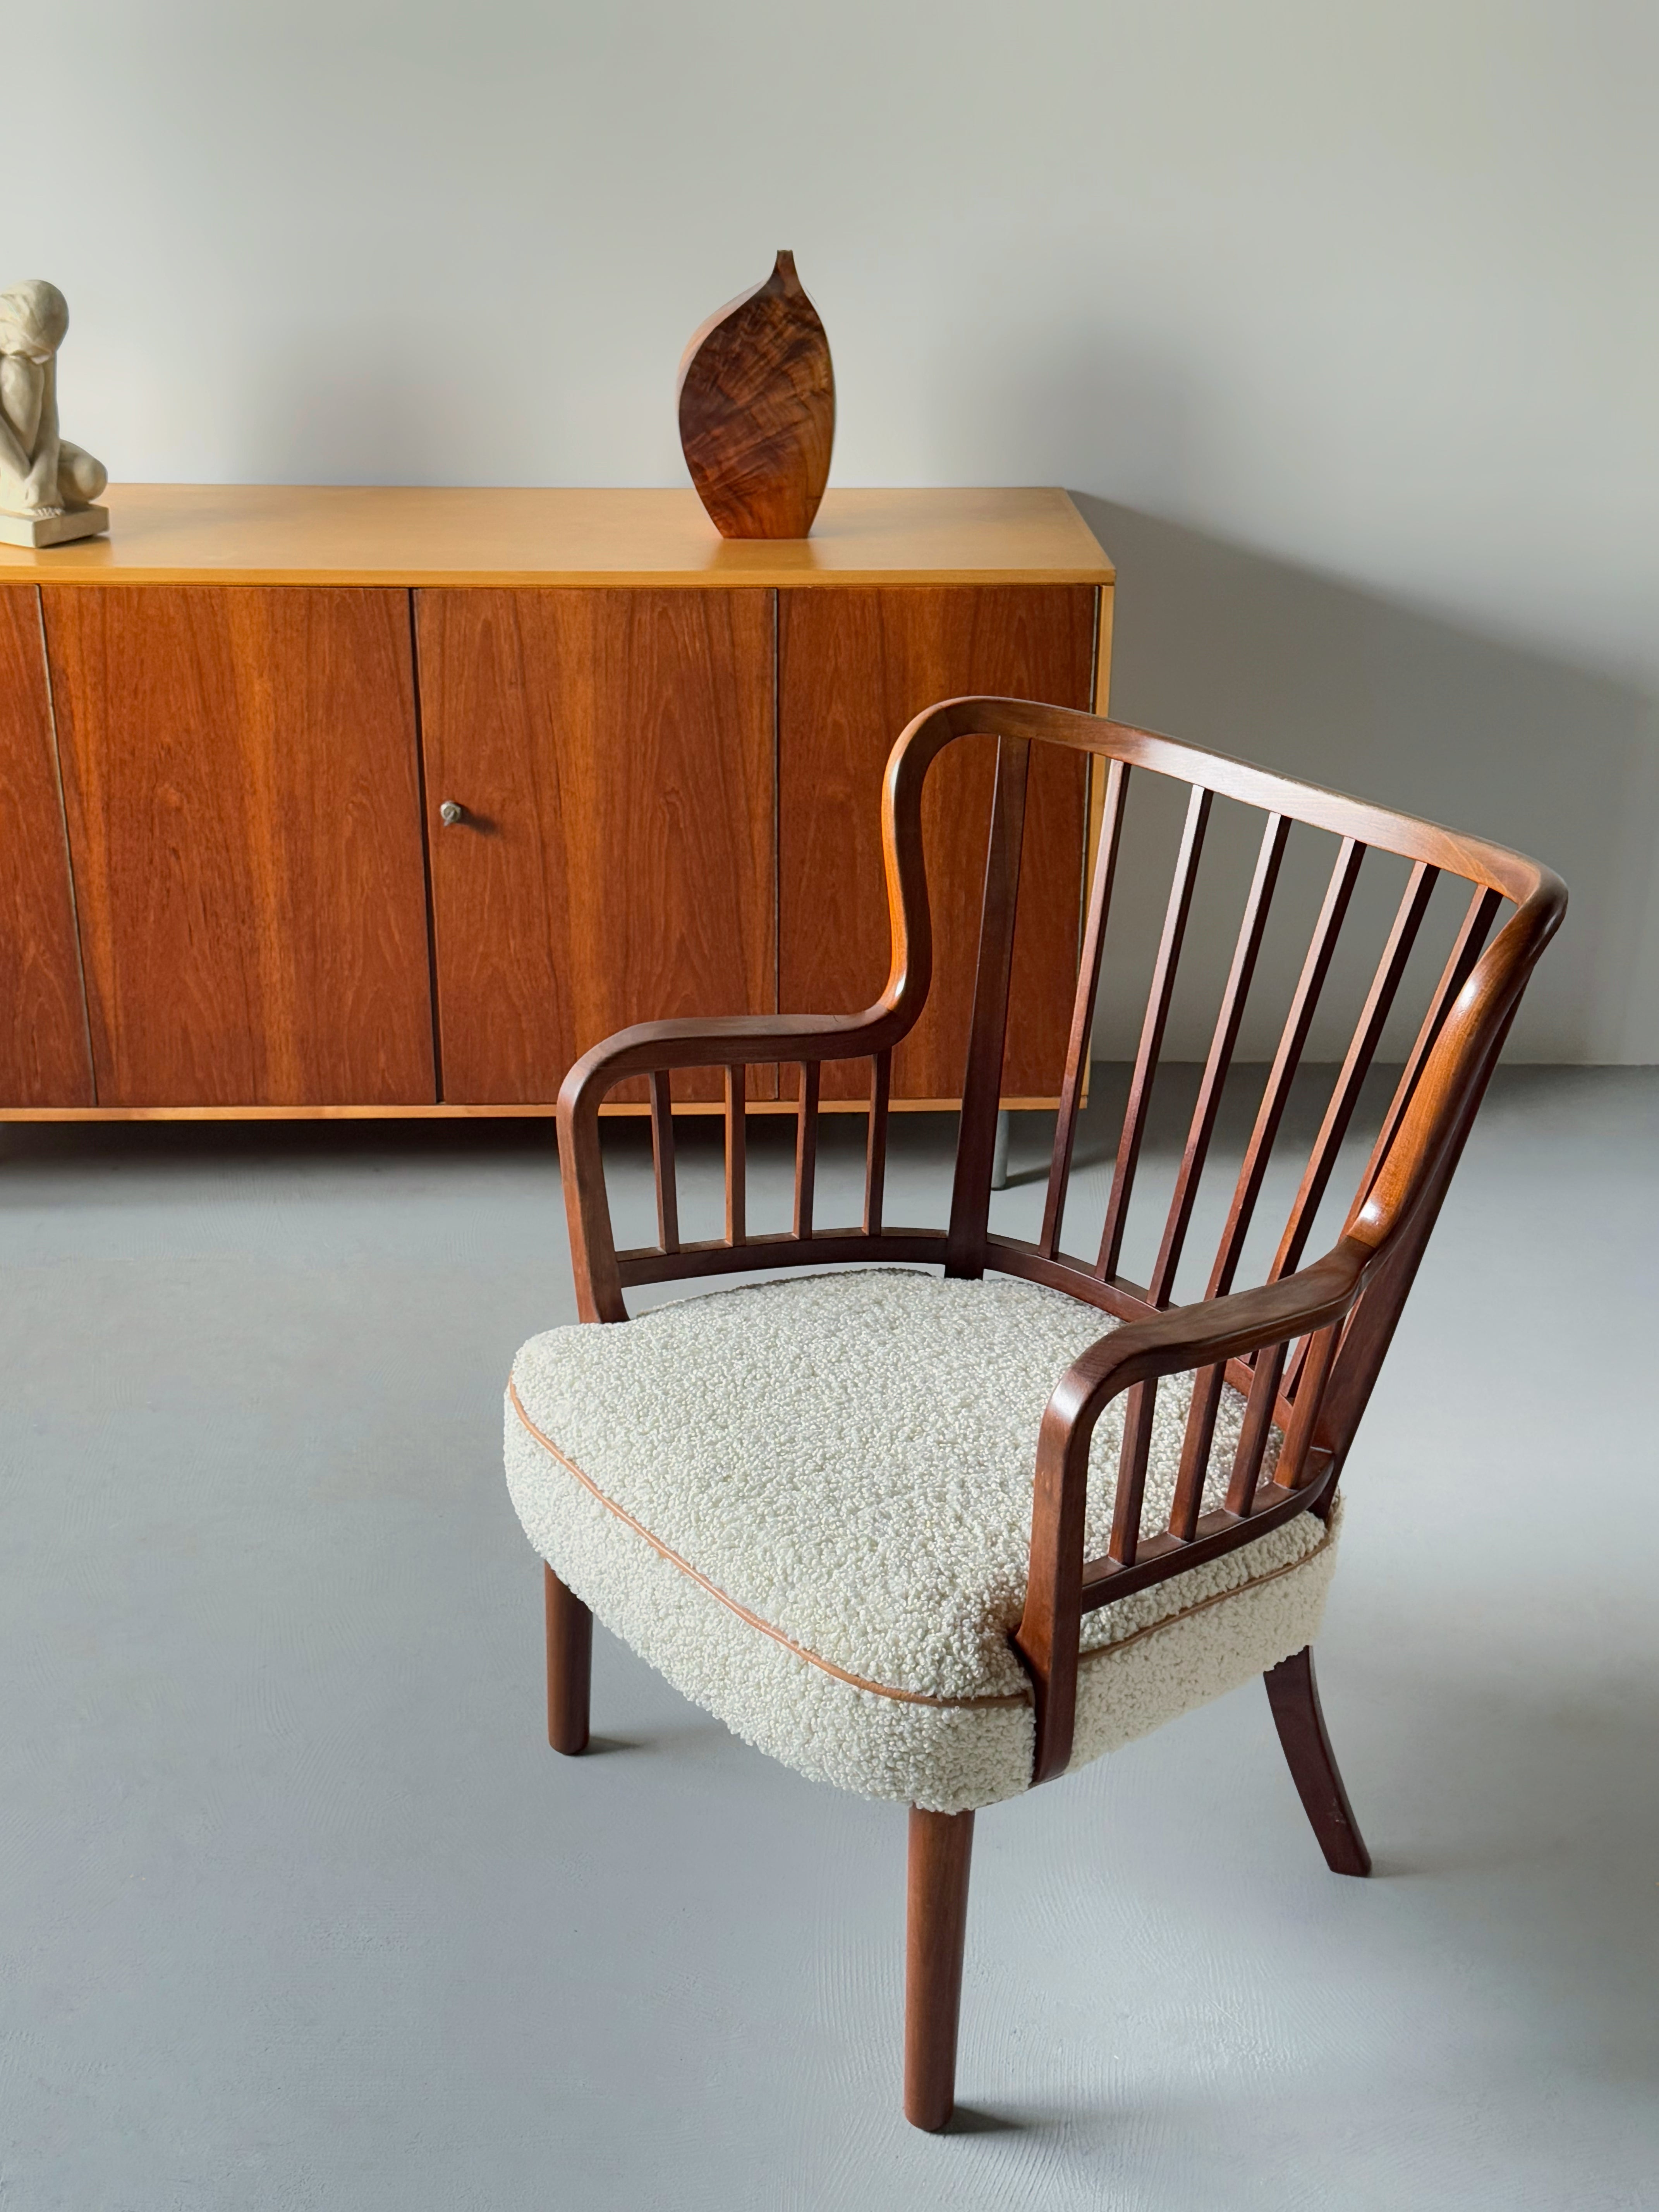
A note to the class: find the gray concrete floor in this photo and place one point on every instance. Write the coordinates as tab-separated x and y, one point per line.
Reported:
299	1911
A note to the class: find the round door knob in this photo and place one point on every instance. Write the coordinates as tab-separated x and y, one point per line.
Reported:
449	813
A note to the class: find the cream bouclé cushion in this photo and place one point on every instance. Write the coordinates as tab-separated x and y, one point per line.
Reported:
808	1503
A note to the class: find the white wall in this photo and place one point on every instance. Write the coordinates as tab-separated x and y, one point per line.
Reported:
1346	314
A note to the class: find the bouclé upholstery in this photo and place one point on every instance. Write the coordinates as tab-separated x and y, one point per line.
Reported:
807	1503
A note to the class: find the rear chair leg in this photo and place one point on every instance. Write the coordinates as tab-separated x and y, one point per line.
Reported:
941	1844
1294	1695
569	1666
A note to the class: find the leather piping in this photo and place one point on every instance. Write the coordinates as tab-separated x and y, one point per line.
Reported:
841	1674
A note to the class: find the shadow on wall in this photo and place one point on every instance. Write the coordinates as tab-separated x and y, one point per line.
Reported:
1248	655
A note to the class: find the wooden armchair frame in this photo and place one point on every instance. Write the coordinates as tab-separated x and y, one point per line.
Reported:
1304	1346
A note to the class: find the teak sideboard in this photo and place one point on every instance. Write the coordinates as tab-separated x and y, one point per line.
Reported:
332	801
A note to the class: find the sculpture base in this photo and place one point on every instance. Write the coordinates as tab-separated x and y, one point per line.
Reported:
53	529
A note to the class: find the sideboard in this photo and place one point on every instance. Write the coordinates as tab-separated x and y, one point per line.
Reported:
392	801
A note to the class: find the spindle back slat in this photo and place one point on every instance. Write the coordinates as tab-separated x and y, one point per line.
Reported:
1139	1413
1270	1113
1255	1429
662	1162
1305	1344
806	1146
1356	1065
737	1125
981	1090
1287	1058
1247	950
1300	1432
875	1148
1075	1079
1195	1442
1156	1020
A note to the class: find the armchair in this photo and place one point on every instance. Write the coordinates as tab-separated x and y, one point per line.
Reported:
944	1537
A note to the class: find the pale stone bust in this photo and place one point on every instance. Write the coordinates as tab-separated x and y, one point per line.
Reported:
47	485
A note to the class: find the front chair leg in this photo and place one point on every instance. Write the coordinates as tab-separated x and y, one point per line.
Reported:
1294	1695
569	1666
941	1845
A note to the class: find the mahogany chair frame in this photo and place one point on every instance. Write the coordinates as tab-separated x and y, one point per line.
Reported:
1304	1346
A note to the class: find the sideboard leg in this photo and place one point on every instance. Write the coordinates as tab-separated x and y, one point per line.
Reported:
1000	1152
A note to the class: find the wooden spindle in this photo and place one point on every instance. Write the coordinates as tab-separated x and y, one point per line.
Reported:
1207	1384
875	1142
1362	1050
1310	1394
1083	1006
736	1155
1139	1412
806	1146
662	1161
1275	1097
1476	926
1196	1443
1255	1429
1152	1027
1293	1372
970	1194
1275	836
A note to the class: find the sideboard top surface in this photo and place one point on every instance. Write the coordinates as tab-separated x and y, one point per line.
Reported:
333	534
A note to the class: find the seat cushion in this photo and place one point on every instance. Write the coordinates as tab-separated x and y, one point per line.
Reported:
807	1503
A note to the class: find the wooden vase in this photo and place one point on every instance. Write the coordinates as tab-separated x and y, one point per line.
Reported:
757	410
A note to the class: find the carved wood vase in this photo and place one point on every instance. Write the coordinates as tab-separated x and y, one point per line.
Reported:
757	410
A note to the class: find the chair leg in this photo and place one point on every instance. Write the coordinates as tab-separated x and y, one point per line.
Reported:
941	1845
1294	1695
569	1666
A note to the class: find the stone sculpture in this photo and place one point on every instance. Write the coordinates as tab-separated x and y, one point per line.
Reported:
47	485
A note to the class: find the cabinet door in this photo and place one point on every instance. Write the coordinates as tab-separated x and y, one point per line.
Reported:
242	788
613	753
855	667
43	1057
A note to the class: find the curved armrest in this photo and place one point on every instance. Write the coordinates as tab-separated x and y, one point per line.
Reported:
1186	1337
1205	1334
655	1048
722	1040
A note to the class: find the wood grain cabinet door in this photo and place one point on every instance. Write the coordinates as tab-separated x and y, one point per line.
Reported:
45	1059
611	752
855	666
241	782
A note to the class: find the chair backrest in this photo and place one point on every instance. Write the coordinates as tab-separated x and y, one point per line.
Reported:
1313	1392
